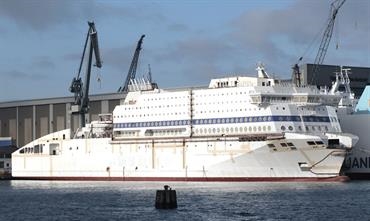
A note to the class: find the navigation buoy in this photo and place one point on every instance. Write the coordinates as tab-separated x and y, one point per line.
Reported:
166	199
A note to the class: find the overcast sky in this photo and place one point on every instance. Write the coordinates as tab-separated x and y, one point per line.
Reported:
187	42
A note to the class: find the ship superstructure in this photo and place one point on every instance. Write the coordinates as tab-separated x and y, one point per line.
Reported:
236	129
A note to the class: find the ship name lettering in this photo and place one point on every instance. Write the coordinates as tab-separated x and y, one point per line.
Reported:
357	162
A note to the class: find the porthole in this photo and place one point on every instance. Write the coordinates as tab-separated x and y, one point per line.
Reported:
282	128
290	128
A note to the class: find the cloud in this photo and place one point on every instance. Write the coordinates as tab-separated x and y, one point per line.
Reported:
43	62
281	36
39	15
178	27
17	74
45	14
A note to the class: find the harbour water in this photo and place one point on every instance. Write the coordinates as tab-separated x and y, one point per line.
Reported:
62	200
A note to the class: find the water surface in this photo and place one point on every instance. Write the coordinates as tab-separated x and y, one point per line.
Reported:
71	200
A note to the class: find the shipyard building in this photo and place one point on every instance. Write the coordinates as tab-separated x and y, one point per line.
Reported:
27	120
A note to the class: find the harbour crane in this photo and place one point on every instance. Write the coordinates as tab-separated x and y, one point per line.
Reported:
132	71
335	6
79	88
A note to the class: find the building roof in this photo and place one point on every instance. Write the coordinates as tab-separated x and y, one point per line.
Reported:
58	100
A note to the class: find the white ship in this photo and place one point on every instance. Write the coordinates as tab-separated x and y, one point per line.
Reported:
354	117
237	129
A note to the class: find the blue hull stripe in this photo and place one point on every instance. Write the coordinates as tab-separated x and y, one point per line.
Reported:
230	120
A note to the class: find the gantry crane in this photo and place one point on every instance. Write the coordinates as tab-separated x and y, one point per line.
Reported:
132	71
79	88
335	6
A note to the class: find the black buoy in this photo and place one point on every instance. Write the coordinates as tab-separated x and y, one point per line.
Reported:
166	199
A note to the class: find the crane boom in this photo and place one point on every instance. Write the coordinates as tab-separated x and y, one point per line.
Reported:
132	71
335	6
79	88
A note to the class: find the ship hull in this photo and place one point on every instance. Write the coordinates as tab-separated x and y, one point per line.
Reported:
357	162
193	179
228	159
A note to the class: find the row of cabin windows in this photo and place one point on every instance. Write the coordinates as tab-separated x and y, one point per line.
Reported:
308	128
232	129
159	132
166	98
258	129
35	149
221	94
289	144
153	107
152	114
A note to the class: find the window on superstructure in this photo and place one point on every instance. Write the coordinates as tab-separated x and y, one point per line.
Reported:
282	128
310	142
